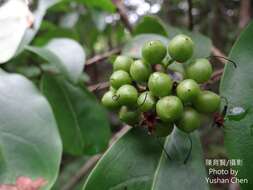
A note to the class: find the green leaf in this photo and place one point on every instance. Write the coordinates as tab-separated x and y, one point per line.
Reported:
236	86
81	120
134	46
106	5
67	55
182	176
150	24
128	163
13	26
30	144
39	13
136	161
49	31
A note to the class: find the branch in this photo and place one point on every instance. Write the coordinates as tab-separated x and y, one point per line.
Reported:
190	16
214	78
82	172
92	161
99	86
123	14
245	13
219	54
102	57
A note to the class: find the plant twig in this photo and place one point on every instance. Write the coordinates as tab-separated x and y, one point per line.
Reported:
217	73
123	14
214	78
82	172
190	16
99	86
102	57
219	54
245	13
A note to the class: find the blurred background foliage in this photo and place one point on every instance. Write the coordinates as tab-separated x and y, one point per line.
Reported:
99	27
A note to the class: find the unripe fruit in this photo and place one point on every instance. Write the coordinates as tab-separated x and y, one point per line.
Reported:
146	101
129	117
153	52
113	89
207	102
181	48
122	63
200	70
188	90
163	129
169	108
120	78
140	71
109	101
160	84
127	95
189	121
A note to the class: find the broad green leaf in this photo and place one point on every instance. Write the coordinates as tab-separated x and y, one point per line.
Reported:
67	55
182	176
134	46
150	24
14	21
30	144
49	30
130	163
236	86
136	161
39	13
81	120
106	5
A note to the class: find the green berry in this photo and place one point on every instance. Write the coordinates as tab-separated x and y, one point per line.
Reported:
108	100
189	121
207	102
181	48
140	71
127	95
154	52
163	129
160	84
119	78
128	116
200	70
188	90
146	101
113	89
169	108
122	63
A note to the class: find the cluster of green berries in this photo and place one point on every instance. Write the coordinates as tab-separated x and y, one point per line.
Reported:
139	92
